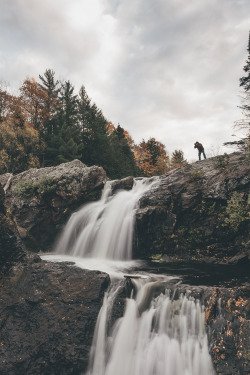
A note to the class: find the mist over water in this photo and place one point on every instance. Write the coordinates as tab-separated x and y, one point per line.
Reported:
104	229
165	338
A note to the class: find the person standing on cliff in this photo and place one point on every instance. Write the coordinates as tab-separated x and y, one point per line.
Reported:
200	149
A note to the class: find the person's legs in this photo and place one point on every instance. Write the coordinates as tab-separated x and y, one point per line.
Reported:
204	154
199	155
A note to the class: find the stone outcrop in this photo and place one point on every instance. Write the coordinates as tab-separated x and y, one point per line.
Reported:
41	200
48	313
11	246
123	184
198	213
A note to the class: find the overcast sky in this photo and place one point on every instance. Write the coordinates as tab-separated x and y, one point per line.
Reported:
167	69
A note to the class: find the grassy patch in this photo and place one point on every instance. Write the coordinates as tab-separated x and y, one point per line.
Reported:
197	174
29	188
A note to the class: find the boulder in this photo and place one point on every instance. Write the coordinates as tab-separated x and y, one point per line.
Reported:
123	184
41	200
48	313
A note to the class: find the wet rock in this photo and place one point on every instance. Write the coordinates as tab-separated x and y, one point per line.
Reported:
227	318
41	200
123	184
48	313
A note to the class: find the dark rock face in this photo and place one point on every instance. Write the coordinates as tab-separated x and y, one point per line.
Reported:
55	192
228	319
48	313
185	215
11	247
124	184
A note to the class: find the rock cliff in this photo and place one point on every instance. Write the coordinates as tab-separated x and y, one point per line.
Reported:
41	200
198	213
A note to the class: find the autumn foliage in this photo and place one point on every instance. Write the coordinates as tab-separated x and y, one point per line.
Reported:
47	123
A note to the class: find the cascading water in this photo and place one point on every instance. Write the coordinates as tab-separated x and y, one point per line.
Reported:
157	335
104	229
165	338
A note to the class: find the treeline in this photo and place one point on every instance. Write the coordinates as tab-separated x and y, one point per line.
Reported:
47	123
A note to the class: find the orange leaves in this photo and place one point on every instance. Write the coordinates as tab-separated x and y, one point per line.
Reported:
151	158
32	101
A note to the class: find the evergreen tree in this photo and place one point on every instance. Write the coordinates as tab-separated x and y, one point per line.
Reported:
243	143
124	161
245	83
69	148
50	89
84	110
95	138
65	143
177	159
244	124
69	105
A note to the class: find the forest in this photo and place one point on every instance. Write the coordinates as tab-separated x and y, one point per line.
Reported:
47	123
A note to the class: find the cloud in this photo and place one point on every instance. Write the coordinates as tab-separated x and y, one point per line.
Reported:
166	69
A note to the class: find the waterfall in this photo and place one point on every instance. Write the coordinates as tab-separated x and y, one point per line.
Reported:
158	334
165	338
104	229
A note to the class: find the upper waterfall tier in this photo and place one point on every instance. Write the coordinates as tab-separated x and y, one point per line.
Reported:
104	229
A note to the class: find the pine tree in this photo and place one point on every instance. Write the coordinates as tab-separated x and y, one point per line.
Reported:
243	143
65	143
69	148
50	89
177	159
245	83
244	124
123	163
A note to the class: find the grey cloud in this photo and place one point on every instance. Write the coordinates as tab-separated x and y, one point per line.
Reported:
177	64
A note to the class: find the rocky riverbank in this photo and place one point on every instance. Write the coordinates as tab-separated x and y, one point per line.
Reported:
48	313
196	214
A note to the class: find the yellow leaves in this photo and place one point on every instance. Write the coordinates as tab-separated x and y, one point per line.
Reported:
110	127
229	331
151	158
229	302
241	302
19	147
4	161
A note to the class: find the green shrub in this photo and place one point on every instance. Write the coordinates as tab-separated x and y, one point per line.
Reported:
29	188
236	212
197	174
25	189
46	186
221	161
